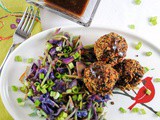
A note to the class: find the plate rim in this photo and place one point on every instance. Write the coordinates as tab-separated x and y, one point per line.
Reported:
3	96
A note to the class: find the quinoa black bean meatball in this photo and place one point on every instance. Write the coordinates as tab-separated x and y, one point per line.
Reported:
130	72
111	48
100	78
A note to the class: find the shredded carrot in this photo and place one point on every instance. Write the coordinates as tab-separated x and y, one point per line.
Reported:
21	79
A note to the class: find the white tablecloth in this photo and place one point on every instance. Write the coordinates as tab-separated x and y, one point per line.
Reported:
117	14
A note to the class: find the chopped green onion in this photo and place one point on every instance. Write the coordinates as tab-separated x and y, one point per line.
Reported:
45	86
75	89
43	90
20	102
50	82
26	83
69	91
58	48
100	109
148	92
137	2
89	114
74	97
18	58
23	89
33	114
37	103
38	88
158	113
43	113
75	116
67	49
30	93
29	60
52	93
60	118
146	69
122	110
131	26
79	97
60	96
57	75
148	53
41	76
135	110
71	65
66	55
105	104
49	46
76	55
63	115
50	89
138	46
14	88
142	111
157	80
55	95
80	104
58	63
44	61
153	20
36	83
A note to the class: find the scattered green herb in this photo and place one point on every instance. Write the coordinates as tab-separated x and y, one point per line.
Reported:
55	95
158	113
76	55
29	60
14	88
18	58
20	101
100	109
75	89
148	92
71	65
146	69
142	111
131	26
157	80
49	46
138	46
33	114
135	110
153	20
79	97
122	110
137	2
41	75
69	91
148	53
37	103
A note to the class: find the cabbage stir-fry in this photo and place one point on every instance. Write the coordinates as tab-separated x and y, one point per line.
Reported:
55	82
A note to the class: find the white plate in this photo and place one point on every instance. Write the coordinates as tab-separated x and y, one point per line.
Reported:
34	47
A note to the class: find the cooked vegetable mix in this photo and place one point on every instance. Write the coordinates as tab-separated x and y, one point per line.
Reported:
55	83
